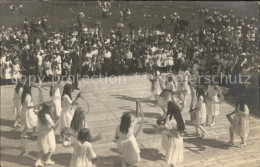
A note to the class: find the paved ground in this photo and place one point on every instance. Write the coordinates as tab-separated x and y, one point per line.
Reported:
107	103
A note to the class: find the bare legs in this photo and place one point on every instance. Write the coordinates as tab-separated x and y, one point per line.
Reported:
24	132
231	137
24	135
48	159
199	129
49	154
18	117
213	120
39	160
231	142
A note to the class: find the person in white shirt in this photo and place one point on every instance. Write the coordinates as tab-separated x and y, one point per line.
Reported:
56	64
107	61
16	70
128	58
182	86
40	58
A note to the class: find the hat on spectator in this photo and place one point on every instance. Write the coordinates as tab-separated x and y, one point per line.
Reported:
56	51
27	47
16	58
243	54
41	51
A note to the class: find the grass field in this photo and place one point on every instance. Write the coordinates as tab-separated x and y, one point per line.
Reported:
61	15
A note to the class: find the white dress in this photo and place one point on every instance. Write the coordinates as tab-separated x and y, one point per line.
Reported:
155	88
16	71
57	69
17	102
46	137
172	145
66	113
200	114
171	87
127	145
56	99
169	61
47	68
82	155
240	122
7	70
28	117
212	102
183	85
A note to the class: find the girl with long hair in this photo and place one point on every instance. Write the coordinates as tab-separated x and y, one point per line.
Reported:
83	154
46	143
126	139
212	102
239	124
183	85
17	103
56	99
28	116
156	86
200	112
173	129
67	107
78	121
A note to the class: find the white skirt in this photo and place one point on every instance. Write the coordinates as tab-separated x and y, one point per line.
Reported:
174	150
212	107
129	149
169	63
46	140
66	117
200	116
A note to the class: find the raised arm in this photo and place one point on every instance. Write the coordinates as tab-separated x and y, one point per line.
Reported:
142	116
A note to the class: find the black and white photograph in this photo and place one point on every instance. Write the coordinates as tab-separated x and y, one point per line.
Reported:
129	83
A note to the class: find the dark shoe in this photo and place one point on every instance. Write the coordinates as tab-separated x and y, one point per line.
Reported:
77	88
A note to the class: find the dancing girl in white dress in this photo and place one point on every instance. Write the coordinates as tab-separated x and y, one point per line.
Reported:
46	143
239	124
28	116
126	139
67	108
173	129
212	102
17	103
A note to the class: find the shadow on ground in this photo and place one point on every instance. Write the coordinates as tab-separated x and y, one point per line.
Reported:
17	159
109	161
202	144
6	122
151	154
129	98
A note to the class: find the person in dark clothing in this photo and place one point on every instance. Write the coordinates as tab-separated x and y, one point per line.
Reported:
76	65
44	23
116	62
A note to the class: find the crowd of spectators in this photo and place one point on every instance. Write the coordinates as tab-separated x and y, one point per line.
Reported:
225	44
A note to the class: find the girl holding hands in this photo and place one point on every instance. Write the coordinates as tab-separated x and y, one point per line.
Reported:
126	138
46	138
173	129
239	124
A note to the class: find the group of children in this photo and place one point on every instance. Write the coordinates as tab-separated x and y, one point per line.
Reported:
60	113
204	105
63	113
